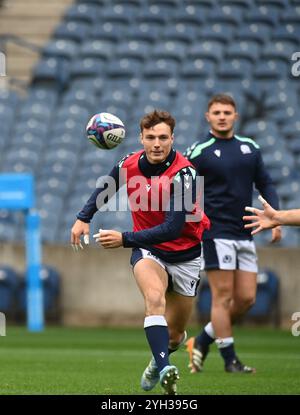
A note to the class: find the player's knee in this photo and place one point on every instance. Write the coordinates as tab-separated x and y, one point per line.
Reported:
155	302
245	302
222	300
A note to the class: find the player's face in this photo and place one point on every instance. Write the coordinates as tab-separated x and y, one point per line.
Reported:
221	118
157	142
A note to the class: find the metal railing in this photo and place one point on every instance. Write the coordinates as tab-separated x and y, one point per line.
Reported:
7	38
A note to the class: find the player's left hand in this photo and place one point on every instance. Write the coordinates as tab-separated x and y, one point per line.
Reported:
276	234
109	238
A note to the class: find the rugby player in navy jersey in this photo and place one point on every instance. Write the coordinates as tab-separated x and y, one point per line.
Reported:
231	165
166	254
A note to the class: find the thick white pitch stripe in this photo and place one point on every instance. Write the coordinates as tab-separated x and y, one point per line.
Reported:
155	321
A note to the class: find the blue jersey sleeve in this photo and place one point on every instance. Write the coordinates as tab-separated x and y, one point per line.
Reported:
184	188
264	183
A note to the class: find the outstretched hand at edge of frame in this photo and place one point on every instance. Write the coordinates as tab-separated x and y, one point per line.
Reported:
261	219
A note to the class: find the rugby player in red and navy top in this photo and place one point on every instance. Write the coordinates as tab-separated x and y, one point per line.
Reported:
231	165
166	255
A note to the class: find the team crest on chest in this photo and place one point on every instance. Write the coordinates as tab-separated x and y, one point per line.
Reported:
245	149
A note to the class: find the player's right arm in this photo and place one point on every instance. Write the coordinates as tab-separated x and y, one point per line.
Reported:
82	224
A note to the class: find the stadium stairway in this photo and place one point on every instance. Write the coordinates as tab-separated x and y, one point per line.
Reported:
32	21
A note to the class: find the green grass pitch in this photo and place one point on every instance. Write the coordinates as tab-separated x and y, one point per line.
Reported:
110	362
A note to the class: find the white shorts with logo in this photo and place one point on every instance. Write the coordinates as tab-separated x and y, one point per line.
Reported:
229	254
184	277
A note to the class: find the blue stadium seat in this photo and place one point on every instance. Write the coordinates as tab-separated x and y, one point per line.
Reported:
79	97
88	13
287	32
267	304
270	69
61	48
109	31
278	50
117	103
163	9
220	32
276	99
292	204
137	3
46	95
75	111
127	10
190	14
281	174
96	2
9	97
51	282
290	190
51	69
160	68
284	115
280	4
242	5
169	50
291	16
72	30
205	4
229	15
294	144
153	15
258	126
28	140
262	15
62	155
22	155
235	69
198	68
95	85
69	126
269	141
280	159
145	30
139	49
7	114
97	48
8	289
208	49
291	128
154	97
124	67
244	50
162	3
181	31
38	111
59	169
259	32
87	67
58	186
